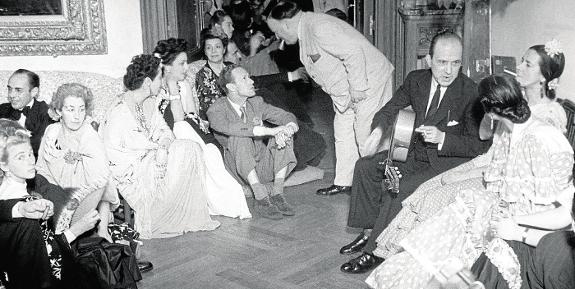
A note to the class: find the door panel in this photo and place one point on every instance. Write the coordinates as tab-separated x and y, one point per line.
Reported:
477	40
162	19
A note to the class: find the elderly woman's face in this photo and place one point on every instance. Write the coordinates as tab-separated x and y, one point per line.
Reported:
214	50
73	112
21	161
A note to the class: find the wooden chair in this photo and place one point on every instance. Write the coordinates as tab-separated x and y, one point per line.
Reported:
569	107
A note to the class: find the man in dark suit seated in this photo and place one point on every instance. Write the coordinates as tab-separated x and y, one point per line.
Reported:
446	134
237	120
23	89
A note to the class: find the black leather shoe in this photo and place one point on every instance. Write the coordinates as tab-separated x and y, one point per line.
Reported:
145	266
333	190
361	264
355	246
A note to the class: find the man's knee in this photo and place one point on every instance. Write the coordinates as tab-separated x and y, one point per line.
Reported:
238	144
366	164
240	156
368	167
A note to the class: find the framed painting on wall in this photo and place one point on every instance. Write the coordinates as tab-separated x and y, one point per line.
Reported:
52	27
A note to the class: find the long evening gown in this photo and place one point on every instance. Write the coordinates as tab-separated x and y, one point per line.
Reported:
165	206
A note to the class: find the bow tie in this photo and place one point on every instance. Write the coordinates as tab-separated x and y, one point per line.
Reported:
16	114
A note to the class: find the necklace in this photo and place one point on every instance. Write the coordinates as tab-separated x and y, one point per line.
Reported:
141	118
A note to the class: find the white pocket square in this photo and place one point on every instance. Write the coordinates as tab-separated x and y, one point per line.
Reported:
452	123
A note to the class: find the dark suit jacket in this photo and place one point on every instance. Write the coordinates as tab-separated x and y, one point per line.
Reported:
43	187
226	122
36	121
6	209
459	104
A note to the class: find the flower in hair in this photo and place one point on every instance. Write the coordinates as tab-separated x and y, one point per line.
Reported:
553	84
157	55
553	47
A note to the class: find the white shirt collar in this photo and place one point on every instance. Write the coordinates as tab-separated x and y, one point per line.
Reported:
11	189
31	103
236	106
442	90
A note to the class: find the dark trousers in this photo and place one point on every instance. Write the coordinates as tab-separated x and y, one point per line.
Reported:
553	266
373	208
23	254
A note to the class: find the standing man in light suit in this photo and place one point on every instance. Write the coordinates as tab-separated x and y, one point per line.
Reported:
349	68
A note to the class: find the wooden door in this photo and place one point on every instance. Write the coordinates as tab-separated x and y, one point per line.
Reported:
162	19
189	22
477	39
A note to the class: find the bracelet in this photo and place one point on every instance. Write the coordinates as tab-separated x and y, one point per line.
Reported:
524	235
175	96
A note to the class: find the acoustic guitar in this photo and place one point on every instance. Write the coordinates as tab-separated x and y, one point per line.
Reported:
399	140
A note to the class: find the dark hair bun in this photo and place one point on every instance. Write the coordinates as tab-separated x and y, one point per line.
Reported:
142	66
501	94
169	49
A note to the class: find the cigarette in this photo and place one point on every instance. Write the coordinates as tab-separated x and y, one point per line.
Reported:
282	45
510	72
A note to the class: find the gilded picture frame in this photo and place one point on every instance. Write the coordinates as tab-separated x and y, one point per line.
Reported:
79	29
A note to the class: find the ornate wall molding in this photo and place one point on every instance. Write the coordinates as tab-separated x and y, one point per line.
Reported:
81	29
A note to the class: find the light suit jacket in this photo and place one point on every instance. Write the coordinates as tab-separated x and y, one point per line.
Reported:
226	122
341	59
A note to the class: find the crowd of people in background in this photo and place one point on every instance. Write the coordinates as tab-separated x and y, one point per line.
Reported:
487	184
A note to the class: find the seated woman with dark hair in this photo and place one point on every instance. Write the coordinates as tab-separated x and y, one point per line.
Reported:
308	144
72	155
537	73
161	177
30	249
246	49
528	183
249	37
187	119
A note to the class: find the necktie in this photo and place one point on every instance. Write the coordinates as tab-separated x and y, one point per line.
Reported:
243	115
434	102
26	110
16	114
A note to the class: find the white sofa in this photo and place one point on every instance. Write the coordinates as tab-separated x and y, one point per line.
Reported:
105	88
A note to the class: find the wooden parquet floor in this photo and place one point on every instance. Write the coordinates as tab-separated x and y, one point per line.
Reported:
296	252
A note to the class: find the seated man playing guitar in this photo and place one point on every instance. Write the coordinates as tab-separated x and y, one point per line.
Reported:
447	115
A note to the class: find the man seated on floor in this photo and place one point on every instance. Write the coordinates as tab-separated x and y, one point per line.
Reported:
23	89
238	124
447	112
